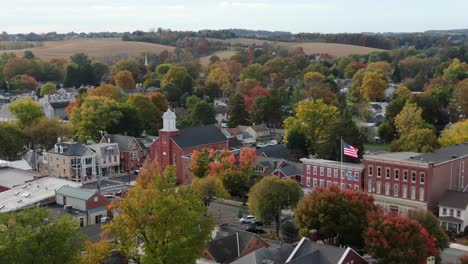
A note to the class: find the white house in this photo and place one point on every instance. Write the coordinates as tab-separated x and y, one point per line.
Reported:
453	213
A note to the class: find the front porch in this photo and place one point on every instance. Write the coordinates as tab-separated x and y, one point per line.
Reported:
451	223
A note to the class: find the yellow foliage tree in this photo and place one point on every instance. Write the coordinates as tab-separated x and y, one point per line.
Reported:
209	187
457	134
381	66
220	76
124	80
373	86
313	77
460	96
409	118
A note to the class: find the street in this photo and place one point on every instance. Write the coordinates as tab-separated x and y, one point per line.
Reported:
451	255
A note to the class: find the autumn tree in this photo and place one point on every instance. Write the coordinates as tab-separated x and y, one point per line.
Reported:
311	119
456	70
48	88
313	77
200	161
171	223
23	83
340	216
34	237
26	111
238	114
108	90
129	65
43	133
220	76
11	140
417	140
409	118
271	195
456	134
150	115
96	252
460	97
208	188
124	80
396	239
159	100
380	66
178	76
373	86
254	72
431	223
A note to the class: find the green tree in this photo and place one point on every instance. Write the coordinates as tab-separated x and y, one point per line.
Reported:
129	123
200	161
254	72
171	222
386	132
460	97
408	119
417	140
455	135
396	239
340	216
26	111
79	71
237	112
11	140
432	225
34	237
150	115
271	195
209	188
312	119
44	132
456	70
296	142
48	88
23	83
128	65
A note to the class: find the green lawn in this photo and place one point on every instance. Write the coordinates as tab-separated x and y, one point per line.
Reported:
385	147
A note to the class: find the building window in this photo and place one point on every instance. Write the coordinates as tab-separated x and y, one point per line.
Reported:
308	181
397	174
356	176
405	175
315	170
308	169
314	183
356	187
174	159
413	176
64	172
115	158
404	191
458	213
369	186
413	193
322	183
378	187
343	186
421	193
328	172
321	171
329	183
342	174
451	212
370	170
387	173
444	211
335	173
422	178
387	188
395	190
379	171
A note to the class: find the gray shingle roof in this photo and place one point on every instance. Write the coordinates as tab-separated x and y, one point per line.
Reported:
58	105
77	193
308	251
292	168
454	199
123	141
274	151
75	149
277	255
444	154
197	136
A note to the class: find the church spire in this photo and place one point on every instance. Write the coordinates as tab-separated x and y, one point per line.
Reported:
169	121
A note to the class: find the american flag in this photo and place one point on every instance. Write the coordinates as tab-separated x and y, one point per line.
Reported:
349	150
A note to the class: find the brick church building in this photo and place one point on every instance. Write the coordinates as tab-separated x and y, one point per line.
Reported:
172	144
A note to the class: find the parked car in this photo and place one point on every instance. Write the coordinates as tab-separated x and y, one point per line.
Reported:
256	230
248	219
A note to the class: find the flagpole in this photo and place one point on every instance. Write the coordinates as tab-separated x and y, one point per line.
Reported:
341	164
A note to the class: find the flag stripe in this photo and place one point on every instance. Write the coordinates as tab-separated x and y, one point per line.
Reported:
349	150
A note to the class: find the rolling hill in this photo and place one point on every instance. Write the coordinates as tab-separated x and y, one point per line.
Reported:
97	48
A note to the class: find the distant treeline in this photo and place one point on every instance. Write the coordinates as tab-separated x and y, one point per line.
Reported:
17	45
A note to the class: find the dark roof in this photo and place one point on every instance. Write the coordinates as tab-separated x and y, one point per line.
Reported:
450	219
444	154
224	249
221	109
197	136
454	199
121	140
292	168
260	256
235	143
311	252
57	105
274	151
77	149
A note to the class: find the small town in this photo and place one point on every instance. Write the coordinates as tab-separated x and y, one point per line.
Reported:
183	133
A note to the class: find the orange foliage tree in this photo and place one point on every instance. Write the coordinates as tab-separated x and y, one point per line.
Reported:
124	80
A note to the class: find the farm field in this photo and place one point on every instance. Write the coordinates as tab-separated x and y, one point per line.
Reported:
224	54
97	48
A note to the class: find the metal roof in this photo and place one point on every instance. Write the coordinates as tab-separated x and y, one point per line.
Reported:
77	193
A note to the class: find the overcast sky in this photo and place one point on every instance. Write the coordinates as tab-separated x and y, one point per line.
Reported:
330	16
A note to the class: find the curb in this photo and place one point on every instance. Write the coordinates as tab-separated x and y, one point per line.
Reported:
458	246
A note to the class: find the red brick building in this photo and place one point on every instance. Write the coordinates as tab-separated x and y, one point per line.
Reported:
172	144
324	173
405	181
132	151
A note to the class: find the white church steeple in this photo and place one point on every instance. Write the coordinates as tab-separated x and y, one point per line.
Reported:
169	121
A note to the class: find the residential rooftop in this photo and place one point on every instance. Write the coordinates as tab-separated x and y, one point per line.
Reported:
454	199
332	163
11	177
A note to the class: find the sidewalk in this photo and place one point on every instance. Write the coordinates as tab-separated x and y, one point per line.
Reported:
458	246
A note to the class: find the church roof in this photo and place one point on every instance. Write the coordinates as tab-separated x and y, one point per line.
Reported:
197	136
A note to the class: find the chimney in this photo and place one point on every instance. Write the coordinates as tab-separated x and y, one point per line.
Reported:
108	140
313	235
59	139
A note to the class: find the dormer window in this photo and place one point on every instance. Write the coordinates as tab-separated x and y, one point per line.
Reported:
56	148
61	149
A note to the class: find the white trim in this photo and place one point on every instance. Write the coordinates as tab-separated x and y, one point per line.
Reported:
295	250
344	255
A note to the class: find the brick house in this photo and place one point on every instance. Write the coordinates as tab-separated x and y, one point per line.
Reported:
132	152
324	173
91	205
406	181
172	144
